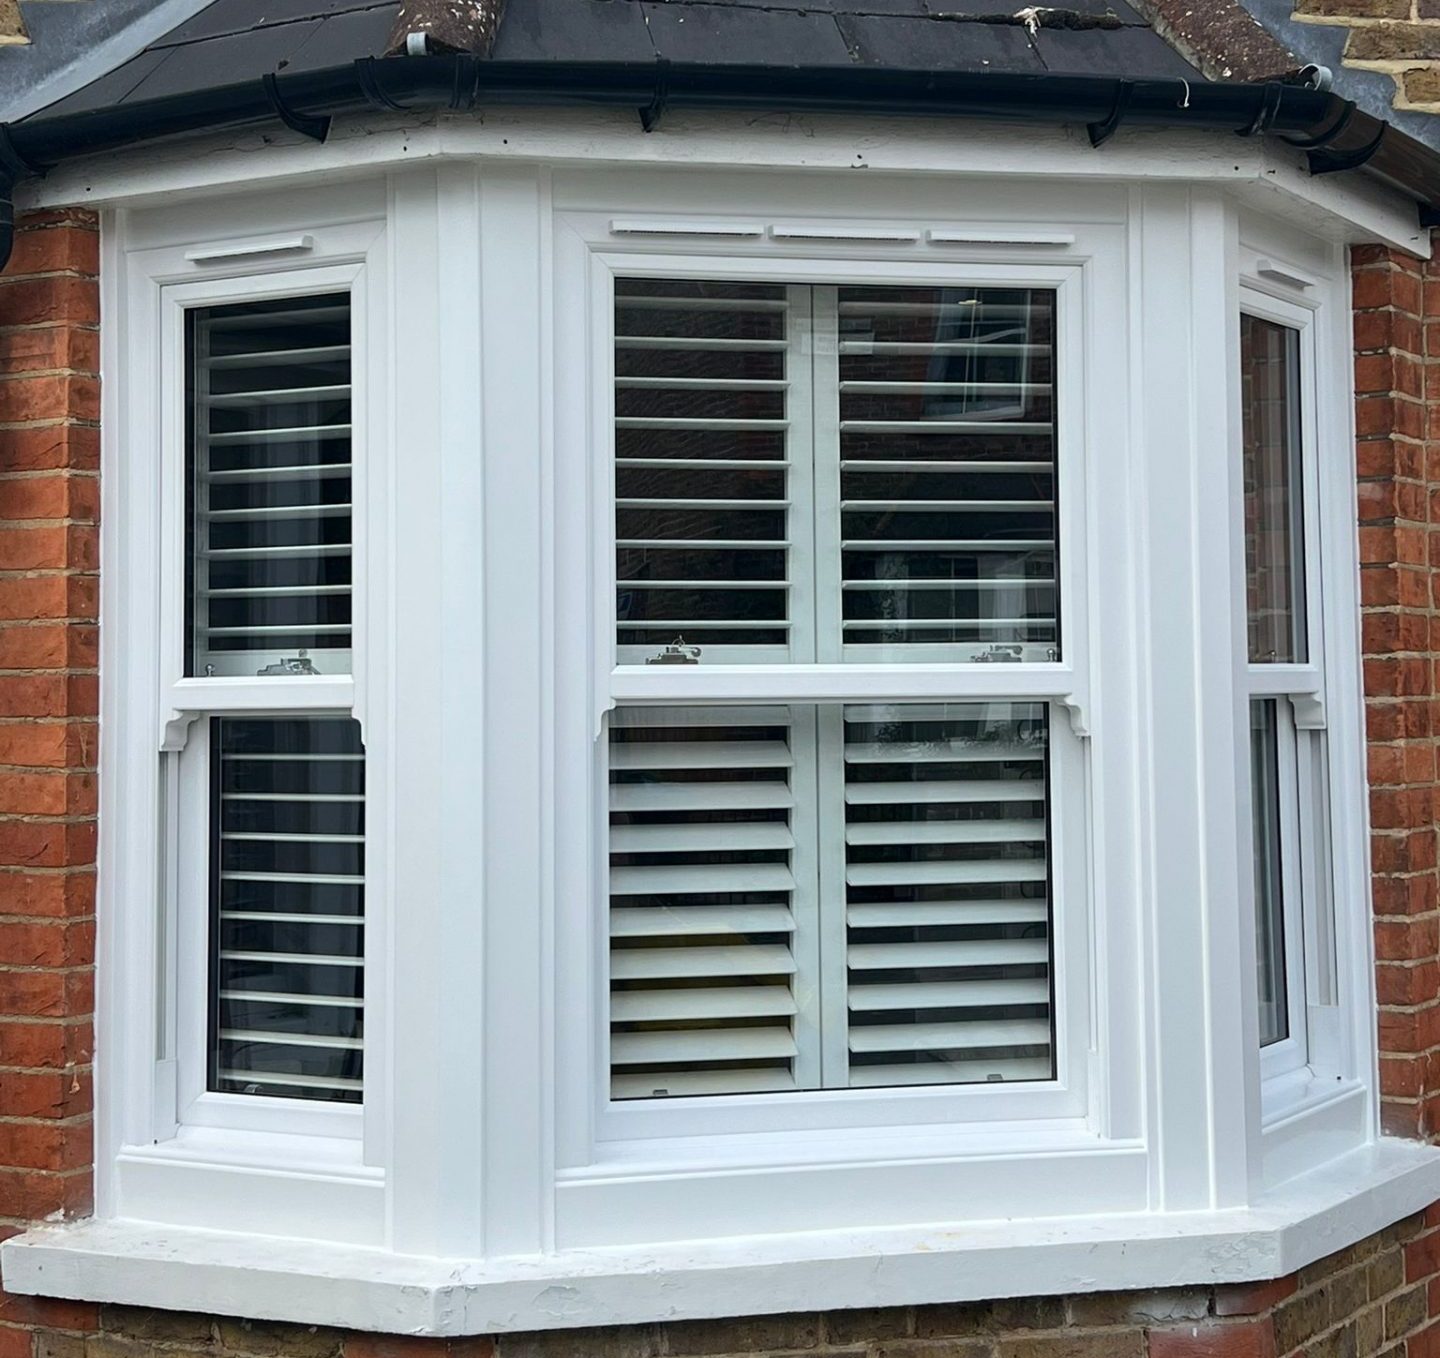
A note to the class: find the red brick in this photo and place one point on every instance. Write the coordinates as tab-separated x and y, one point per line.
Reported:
48	646
49	1313
408	1346
71	248
58	1094
48	495
48	794
1252	1299
52	1045
49	348
47	943
47	844
49	447
28	597
52	396
32	301
55	1147
1212	1339
68	892
48	744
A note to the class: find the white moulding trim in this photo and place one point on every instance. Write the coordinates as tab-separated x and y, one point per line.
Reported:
143	1264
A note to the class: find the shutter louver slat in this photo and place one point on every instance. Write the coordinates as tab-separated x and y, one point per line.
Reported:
269	480
656	922
701	899
289	907
948	951
703	473
946	463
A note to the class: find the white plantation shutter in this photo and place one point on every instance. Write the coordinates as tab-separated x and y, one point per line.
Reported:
946	894
711	901
947	472
724	948
270	485
835	473
808	897
288	907
710	390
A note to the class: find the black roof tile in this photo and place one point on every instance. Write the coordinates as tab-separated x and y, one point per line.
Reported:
722	35
110	89
573	30
939	45
343	37
241	16
225	60
1112	51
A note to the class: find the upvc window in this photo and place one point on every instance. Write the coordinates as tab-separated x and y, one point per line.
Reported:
251	779
835	895
1284	689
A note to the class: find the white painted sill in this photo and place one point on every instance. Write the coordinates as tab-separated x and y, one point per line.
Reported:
143	1264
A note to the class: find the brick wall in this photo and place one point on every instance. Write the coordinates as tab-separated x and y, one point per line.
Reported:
1399	470
49	588
1380	1299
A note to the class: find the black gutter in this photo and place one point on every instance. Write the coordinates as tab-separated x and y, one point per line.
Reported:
1336	134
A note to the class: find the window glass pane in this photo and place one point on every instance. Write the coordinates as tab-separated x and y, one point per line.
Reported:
823	897
1274	537
268	480
1269	868
947	471
288	907
835	472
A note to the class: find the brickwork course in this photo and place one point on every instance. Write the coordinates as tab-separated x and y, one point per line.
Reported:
1378	1299
1398	37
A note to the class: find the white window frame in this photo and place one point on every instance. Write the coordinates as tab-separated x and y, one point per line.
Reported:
802	682
1312	1084
180	1140
618	1144
1311	1054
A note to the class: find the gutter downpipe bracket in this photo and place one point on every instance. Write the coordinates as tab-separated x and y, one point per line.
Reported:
651	114
316	128
1102	131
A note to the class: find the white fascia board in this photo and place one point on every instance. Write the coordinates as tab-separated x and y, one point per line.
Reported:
1266	176
142	1264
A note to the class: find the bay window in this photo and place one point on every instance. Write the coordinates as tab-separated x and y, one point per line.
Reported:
659	726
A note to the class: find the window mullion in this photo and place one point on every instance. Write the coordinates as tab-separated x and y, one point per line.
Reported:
807	865
826	463
834	939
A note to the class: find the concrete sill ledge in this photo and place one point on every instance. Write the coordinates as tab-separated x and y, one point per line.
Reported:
311	1282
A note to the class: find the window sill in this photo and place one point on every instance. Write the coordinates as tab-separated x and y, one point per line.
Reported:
145	1264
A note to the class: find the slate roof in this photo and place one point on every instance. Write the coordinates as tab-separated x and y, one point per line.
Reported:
230	41
64	33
